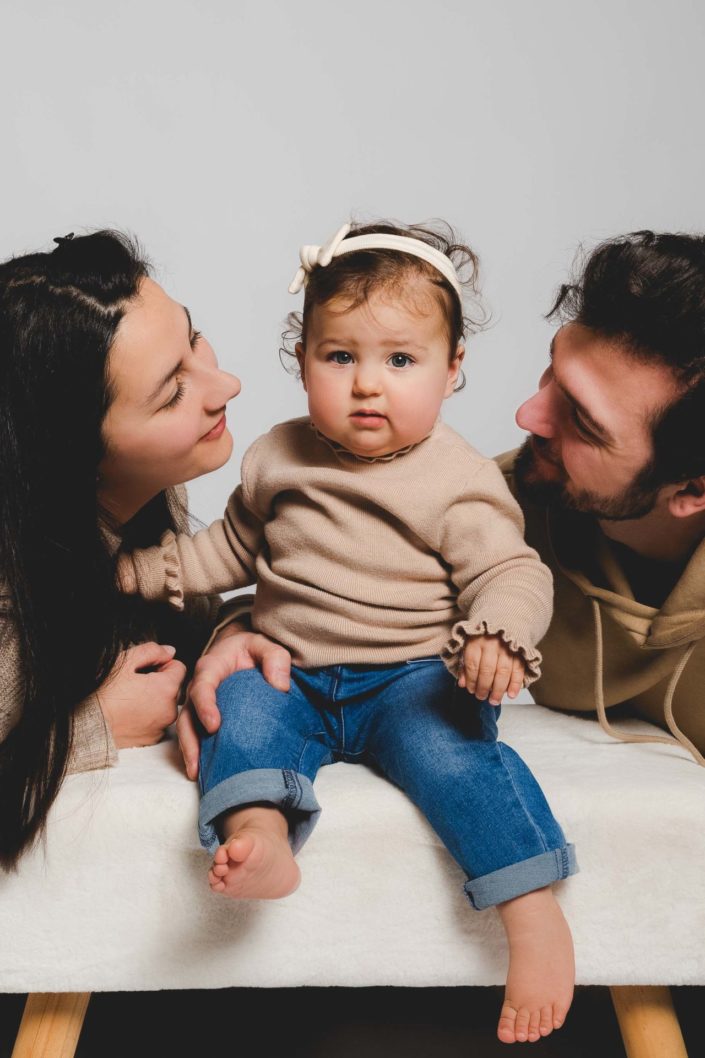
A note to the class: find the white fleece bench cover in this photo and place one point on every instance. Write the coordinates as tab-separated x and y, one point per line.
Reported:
117	898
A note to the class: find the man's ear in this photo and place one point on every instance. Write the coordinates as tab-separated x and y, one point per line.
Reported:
301	357
454	370
688	499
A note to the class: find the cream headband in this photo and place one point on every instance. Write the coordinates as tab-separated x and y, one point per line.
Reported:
312	256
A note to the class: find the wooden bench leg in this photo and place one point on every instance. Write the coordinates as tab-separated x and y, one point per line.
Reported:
51	1024
648	1021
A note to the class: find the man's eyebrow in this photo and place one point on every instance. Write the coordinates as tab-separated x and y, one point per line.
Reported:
172	371
597	428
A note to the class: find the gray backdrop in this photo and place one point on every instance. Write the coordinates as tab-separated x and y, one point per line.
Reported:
225	134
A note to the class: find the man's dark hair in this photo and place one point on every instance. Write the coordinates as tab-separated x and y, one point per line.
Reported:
646	292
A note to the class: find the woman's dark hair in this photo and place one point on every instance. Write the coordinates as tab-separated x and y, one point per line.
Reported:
356	275
646	292
59	313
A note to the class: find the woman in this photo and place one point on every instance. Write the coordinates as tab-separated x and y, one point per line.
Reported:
109	400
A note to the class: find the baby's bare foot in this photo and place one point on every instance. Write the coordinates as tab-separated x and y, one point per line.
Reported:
541	974
255	862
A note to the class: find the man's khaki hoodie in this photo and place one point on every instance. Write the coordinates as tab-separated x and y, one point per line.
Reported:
605	648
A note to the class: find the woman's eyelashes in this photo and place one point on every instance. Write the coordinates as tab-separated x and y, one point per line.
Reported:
180	384
178	396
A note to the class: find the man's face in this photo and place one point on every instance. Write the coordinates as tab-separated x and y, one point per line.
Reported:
590	424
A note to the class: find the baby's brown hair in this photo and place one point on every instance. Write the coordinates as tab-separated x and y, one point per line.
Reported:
354	276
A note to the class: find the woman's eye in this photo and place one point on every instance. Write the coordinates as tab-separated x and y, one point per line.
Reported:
340	357
180	387
400	360
195	338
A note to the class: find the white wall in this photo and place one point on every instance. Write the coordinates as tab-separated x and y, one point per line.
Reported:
224	134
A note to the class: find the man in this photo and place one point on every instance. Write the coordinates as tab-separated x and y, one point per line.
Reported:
612	483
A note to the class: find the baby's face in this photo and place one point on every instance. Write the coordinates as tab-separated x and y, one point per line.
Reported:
376	375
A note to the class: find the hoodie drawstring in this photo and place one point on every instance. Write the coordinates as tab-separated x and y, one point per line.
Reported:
678	737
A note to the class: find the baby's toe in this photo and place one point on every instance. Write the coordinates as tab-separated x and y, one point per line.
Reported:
221	854
559	1015
521	1029
507	1020
534	1026
546	1021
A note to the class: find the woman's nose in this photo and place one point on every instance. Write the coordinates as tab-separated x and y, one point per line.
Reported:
536	415
226	387
234	384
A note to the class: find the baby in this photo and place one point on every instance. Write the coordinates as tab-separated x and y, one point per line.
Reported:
389	559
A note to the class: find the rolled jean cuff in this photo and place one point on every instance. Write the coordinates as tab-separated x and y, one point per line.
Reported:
523	877
285	789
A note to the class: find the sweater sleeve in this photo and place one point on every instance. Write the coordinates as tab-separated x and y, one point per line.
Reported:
504	588
92	745
215	559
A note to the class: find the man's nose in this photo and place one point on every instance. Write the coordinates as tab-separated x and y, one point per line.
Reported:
537	414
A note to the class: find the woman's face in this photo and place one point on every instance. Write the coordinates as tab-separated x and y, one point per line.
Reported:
166	424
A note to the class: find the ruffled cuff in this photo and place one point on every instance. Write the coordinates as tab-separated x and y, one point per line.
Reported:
172	570
464	630
154	572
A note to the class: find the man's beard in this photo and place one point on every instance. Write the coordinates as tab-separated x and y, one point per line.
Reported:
638	499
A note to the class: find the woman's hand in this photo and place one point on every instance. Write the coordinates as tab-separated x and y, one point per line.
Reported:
233	649
491	669
139	705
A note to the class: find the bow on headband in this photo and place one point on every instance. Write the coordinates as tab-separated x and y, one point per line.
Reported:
316	255
321	256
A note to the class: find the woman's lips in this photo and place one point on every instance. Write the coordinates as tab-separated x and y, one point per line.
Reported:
217	430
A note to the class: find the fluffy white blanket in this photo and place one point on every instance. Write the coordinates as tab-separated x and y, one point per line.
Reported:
117	898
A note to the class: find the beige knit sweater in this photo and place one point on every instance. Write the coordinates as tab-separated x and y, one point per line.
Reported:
92	745
361	560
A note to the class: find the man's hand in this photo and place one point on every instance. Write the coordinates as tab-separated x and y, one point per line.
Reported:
232	650
490	669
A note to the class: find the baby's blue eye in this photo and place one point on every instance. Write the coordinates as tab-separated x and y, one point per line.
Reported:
400	360
340	357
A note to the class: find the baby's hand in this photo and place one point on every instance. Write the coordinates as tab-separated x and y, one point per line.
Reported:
491	669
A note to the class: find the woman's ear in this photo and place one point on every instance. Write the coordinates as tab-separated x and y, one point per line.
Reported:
688	499
301	357
454	370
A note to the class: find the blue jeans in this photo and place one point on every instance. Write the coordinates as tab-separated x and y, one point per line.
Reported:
411	722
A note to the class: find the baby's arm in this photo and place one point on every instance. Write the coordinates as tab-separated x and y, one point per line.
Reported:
505	591
215	559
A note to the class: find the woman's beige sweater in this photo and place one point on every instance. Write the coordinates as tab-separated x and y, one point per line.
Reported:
364	561
92	745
